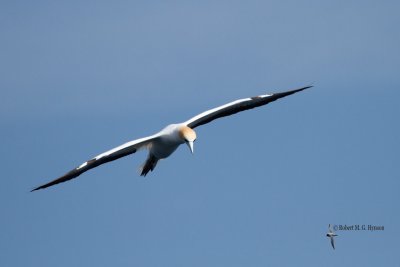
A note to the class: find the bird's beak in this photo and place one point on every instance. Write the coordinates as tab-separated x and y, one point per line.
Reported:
190	145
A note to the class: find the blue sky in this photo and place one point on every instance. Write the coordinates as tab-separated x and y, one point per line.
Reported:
80	77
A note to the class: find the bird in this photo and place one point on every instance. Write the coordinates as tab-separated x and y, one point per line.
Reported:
162	144
331	234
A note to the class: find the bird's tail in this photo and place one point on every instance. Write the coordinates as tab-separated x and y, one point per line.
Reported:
148	165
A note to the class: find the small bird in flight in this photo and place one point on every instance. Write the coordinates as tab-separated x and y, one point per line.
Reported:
331	235
164	143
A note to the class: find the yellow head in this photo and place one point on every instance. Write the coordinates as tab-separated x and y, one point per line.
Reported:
188	135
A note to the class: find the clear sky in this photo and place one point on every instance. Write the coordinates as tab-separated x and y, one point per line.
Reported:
80	77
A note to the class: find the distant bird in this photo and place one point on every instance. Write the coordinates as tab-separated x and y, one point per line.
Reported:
165	142
331	235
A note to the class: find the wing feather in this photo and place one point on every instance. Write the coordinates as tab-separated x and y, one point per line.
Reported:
110	155
237	106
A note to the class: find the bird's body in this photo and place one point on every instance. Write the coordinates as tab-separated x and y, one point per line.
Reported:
167	141
162	144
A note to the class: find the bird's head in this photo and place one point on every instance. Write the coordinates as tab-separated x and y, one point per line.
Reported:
188	136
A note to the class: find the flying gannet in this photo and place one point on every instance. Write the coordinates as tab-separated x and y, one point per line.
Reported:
165	142
331	234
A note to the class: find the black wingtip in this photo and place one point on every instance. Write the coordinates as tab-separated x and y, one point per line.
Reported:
303	88
290	92
38	188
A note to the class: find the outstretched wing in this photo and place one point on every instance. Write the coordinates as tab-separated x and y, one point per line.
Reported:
110	155
333	242
237	106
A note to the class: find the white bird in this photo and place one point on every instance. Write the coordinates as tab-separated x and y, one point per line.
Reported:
331	235
165	142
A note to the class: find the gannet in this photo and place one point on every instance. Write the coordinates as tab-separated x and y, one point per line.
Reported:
164	143
331	235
